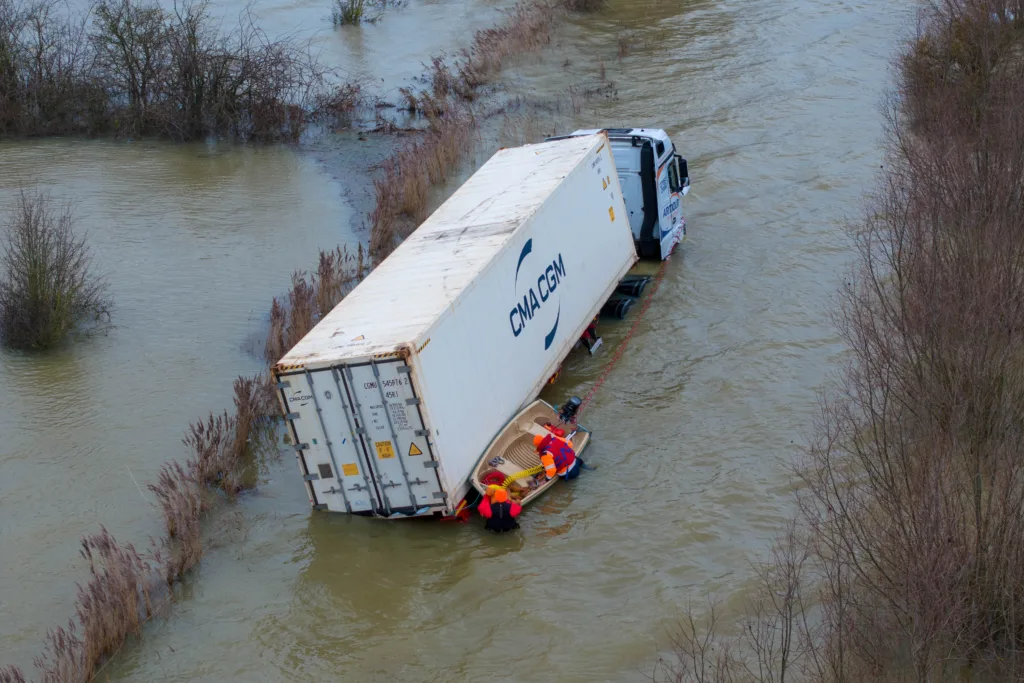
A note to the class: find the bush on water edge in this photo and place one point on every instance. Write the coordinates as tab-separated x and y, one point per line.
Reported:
133	68
906	561
48	286
353	12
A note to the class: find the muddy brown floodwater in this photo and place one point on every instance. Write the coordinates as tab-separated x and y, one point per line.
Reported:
775	104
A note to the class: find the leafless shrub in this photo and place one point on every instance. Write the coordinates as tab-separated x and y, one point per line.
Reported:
777	638
46	66
338	104
48	285
913	494
135	68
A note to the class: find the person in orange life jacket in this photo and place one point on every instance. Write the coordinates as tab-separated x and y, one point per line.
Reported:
557	456
498	510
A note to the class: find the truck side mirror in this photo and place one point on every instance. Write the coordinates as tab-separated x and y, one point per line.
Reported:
684	172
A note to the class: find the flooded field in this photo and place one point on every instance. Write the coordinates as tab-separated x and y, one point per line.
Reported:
774	103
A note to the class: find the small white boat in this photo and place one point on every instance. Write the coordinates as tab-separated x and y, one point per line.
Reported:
512	452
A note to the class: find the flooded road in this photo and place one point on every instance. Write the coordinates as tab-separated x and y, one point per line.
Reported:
774	103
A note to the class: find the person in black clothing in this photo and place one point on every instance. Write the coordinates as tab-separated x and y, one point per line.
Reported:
498	510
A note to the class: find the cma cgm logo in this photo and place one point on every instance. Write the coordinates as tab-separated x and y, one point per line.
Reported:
537	293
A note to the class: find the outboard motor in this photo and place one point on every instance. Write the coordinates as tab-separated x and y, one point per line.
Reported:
569	410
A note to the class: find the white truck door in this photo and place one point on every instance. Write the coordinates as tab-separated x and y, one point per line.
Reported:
670	205
331	457
394	437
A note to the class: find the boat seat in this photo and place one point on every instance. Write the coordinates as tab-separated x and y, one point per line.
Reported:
519	455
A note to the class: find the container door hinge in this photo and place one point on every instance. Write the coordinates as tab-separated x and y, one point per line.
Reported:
405	369
284	385
422	432
301	447
440	495
320	506
311	477
413	402
291	416
430	464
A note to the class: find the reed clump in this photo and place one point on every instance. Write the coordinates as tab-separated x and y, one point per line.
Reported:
110	607
126	587
48	284
312	296
403	187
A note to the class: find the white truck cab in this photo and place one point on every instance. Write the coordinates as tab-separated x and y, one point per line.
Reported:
654	179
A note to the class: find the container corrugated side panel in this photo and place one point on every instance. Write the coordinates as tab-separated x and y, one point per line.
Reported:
496	347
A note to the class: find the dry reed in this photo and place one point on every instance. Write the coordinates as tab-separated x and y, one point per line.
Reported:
220	444
313	296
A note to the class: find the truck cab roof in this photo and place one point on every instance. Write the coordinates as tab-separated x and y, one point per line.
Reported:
656	134
632	137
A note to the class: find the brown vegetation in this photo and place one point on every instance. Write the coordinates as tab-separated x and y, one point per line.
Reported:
222	445
913	495
125	586
132	68
402	187
312	296
48	285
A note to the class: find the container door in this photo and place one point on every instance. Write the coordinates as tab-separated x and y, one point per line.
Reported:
330	453
395	439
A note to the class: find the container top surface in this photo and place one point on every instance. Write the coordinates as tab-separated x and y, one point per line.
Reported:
426	274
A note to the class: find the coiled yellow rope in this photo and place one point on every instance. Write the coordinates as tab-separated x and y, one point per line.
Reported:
521	475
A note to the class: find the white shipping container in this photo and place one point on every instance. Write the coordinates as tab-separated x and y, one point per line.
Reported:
394	395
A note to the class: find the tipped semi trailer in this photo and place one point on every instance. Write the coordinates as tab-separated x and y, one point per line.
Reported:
394	395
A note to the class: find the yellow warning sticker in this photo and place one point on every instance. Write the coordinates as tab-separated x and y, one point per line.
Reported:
604	184
359	338
611	213
384	449
413	450
350	469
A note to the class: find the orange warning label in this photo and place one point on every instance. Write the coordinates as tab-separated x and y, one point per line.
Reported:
350	469
413	450
611	213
